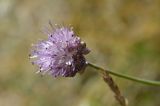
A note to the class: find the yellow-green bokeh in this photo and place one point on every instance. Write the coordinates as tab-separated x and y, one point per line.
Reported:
123	35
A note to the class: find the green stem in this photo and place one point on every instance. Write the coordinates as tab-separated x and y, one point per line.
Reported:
149	82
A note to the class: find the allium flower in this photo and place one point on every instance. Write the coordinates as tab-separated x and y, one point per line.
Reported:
62	54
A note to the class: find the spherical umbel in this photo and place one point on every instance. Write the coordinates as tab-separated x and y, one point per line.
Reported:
62	54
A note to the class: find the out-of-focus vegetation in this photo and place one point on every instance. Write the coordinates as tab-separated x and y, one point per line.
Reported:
124	35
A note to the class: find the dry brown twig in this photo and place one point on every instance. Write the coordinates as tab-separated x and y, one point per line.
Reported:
113	86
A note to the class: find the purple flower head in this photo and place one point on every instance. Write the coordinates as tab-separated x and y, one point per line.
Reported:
62	54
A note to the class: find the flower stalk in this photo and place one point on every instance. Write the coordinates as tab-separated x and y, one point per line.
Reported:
139	80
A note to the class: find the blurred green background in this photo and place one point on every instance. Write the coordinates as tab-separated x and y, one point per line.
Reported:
123	35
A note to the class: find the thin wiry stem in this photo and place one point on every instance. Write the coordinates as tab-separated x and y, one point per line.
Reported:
139	80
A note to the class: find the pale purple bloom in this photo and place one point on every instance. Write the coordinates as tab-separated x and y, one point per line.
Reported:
62	54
